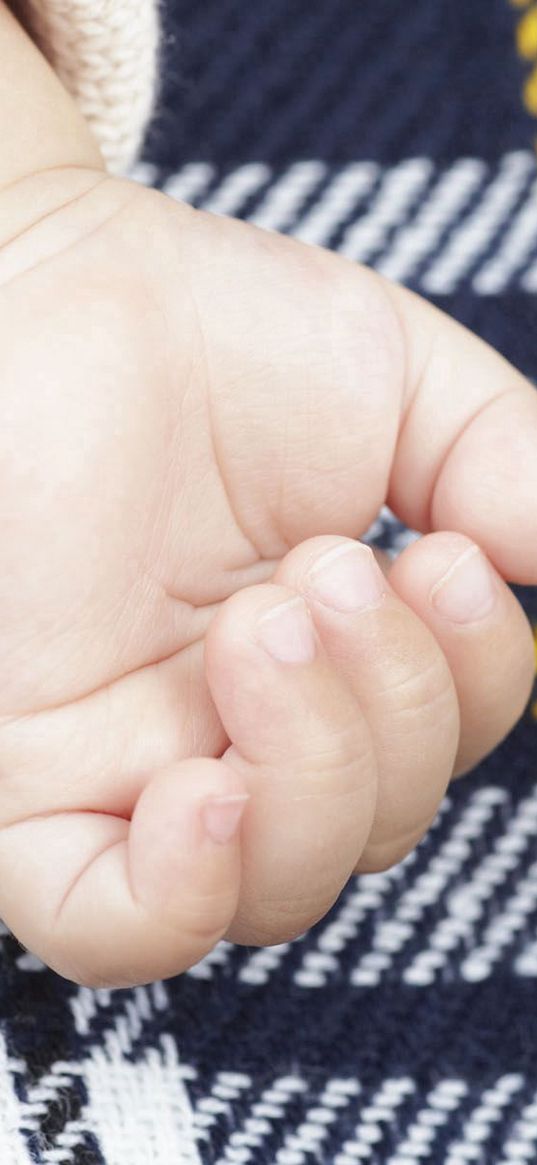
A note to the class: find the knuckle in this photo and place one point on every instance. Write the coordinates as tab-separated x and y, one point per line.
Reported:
346	752
350	778
423	690
331	760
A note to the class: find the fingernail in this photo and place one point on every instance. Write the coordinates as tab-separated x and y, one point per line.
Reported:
348	578
222	815
287	632
467	591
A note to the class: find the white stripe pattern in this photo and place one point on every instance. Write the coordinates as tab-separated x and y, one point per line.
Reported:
480	1124
456	880
466	906
140	1110
500	933
112	1080
129	1011
339	201
520	1147
14	1116
414	1136
453	224
237	188
369	896
308	1138
516	248
286	197
228	1087
262	963
529	282
398	192
447	200
374	1119
391	935
266	1113
191	182
526	962
493	211
420	1137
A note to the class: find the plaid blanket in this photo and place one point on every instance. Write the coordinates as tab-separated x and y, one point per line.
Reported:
402	1030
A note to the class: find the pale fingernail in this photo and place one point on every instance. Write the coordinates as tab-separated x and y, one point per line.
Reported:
287	633
467	591
222	816
348	578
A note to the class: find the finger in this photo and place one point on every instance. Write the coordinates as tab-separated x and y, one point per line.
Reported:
482	630
111	903
303	749
86	752
381	397
400	680
466	457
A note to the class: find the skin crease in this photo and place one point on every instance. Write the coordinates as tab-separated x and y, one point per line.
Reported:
193	412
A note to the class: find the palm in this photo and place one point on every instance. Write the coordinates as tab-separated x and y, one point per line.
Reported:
145	478
117	532
183	401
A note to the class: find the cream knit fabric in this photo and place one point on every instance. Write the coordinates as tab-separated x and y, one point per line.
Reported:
105	52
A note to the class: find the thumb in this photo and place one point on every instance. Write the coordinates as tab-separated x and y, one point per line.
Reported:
126	903
466	457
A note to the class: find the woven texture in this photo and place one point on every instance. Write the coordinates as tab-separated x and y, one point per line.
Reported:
402	1030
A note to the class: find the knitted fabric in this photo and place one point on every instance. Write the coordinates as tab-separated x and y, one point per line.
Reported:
105	52
402	1030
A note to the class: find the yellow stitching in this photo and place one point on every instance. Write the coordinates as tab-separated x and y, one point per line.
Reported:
526	42
527	35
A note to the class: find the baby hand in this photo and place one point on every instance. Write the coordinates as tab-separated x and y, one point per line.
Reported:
199	419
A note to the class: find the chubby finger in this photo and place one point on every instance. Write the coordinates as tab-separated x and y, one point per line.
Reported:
106	902
388	400
303	748
466	456
482	630
400	680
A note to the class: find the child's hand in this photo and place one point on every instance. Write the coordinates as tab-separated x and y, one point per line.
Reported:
193	413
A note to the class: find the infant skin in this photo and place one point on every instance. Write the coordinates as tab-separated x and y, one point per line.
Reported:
216	704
